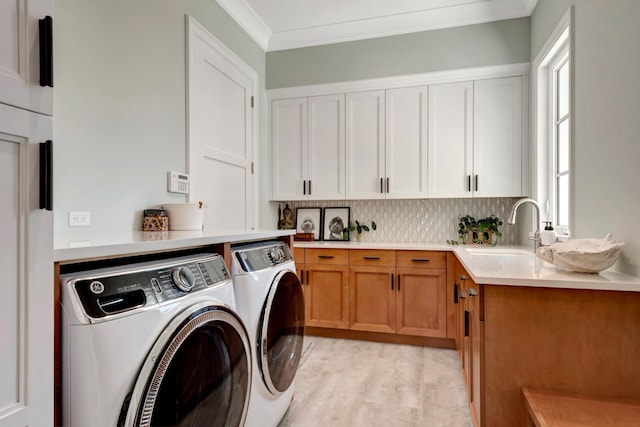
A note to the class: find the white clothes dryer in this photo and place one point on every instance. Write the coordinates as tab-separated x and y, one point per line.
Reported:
270	302
154	343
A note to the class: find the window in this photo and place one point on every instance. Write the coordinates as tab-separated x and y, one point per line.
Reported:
552	128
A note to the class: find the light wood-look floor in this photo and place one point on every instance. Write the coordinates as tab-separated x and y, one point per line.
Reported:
359	383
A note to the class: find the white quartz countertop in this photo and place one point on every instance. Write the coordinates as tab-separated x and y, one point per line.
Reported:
506	265
91	246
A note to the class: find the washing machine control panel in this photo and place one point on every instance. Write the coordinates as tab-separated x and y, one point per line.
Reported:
105	295
260	257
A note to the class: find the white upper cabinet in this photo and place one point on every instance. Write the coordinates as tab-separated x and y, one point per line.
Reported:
406	145
497	137
20	72
366	175
450	139
309	148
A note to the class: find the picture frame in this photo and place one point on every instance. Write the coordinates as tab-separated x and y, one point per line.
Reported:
308	221
334	221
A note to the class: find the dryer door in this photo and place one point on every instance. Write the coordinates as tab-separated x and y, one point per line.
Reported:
281	332
198	373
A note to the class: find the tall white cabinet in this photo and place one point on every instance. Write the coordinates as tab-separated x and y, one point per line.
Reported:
308	148
26	231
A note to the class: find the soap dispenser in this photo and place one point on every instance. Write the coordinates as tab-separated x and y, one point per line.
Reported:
548	236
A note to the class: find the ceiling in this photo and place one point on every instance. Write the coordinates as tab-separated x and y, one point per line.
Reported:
287	24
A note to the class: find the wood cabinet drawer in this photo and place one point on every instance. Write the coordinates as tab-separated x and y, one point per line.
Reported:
298	255
326	256
372	257
421	259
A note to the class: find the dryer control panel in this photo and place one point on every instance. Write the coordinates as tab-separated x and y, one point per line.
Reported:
260	256
118	290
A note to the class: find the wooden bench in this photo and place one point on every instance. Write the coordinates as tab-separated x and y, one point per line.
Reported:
555	409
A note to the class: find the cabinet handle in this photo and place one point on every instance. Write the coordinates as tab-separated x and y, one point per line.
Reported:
310	187
468	182
387	184
472	292
302	277
325	256
45	34
461	293
476	182
307	281
46	175
420	259
391	281
381	186
304	187
371	257
463	277
398	282
455	293
466	323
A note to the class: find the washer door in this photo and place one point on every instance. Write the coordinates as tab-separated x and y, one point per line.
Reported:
281	332
198	373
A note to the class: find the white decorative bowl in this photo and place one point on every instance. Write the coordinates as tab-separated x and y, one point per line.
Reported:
582	255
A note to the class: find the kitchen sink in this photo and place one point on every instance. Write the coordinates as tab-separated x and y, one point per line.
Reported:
498	251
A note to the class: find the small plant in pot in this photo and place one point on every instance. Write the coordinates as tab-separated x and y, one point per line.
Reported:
478	231
359	228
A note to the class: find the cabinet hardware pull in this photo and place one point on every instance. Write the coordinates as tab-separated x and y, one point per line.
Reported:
466	323
371	257
398	283
325	256
46	175
302	277
304	187
310	187
472	292
307	281
381	186
463	277
455	293
420	259
391	281
45	34
387	184
476	182
462	294
468	182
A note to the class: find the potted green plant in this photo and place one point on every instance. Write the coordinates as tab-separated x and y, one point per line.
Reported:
478	231
359	228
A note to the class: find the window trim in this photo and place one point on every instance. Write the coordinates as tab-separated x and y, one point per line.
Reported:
557	49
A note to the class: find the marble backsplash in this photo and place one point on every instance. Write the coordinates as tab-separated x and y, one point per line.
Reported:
419	220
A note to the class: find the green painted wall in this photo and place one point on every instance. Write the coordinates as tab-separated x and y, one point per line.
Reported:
501	42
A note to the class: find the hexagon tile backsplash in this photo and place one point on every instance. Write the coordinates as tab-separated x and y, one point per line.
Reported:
421	220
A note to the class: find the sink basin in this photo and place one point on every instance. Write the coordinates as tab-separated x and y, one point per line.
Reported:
498	252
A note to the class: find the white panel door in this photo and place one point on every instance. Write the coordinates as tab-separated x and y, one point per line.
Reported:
26	262
326	148
221	133
450	140
406	145
497	137
365	145
19	55
289	147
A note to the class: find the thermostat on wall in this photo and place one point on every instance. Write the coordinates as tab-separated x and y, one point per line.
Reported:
177	182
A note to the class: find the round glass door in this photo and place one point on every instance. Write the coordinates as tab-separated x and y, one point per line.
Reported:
282	332
201	376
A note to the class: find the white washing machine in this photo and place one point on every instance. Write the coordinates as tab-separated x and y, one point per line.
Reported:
270	301
154	343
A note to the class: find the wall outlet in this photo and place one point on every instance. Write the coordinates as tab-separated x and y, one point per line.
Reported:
79	219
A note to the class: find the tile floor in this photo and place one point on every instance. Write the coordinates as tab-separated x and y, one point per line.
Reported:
359	383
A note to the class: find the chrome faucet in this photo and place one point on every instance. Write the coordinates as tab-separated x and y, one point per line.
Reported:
512	219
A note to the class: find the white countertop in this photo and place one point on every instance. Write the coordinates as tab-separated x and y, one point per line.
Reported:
506	265
91	246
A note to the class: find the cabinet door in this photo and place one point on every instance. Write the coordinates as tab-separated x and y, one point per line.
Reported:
327	296
326	148
289	139
405	142
421	307
26	306
19	55
476	367
497	137
450	156
372	299
365	145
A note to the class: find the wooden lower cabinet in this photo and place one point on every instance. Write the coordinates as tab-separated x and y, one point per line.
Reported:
421	302
372	299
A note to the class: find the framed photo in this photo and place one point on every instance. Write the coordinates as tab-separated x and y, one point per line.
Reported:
308	221
335	220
